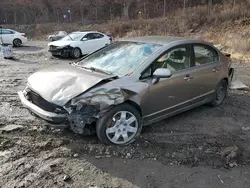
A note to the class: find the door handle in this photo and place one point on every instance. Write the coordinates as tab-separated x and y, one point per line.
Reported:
188	78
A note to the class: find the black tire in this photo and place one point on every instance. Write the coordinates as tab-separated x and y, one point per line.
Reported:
56	56
104	122
76	53
17	43
220	94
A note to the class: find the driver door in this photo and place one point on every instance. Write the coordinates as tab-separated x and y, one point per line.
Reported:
172	94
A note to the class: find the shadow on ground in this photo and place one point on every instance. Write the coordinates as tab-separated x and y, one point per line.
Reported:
28	48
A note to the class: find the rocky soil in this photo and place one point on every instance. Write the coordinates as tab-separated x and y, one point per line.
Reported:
205	147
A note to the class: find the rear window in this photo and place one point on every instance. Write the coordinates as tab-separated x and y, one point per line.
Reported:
205	55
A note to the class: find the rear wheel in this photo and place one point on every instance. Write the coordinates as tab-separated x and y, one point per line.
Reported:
17	43
76	53
120	126
220	94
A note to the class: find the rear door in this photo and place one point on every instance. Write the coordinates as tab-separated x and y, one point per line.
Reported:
100	40
94	42
206	62
87	46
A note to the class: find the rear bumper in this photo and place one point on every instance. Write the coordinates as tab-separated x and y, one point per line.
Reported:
49	116
24	40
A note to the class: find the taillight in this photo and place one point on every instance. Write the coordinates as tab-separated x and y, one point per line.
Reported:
23	35
110	38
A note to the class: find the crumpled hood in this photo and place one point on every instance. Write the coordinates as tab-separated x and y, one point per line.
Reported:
61	43
59	84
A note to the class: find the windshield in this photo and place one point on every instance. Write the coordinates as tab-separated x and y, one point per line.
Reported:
120	58
73	36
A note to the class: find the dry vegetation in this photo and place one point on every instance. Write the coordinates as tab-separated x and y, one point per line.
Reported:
225	25
221	23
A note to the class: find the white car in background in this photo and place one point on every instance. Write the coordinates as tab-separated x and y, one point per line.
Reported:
77	44
8	36
57	36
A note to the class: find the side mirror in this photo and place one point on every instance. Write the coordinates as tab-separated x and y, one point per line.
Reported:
84	39
161	73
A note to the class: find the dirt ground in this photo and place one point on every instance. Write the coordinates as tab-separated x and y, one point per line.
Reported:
205	147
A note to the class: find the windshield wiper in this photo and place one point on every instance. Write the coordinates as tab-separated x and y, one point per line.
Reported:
97	70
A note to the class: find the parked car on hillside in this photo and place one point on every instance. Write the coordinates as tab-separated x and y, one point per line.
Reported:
77	44
129	84
57	36
15	38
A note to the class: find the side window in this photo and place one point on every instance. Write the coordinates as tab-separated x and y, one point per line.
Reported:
90	36
98	35
6	32
204	55
176	59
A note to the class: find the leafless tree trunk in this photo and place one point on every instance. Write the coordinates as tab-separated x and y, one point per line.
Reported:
126	5
5	17
15	17
209	6
57	15
24	18
144	10
164	6
184	6
96	13
81	7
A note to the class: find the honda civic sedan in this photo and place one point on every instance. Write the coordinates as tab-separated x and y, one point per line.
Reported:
129	84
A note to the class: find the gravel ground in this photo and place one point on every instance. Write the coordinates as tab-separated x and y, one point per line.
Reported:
205	147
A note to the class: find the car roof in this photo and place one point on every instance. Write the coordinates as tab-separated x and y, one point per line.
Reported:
157	39
85	32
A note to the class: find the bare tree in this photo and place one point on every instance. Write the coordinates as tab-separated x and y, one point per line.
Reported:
126	5
37	11
164	6
184	6
209	6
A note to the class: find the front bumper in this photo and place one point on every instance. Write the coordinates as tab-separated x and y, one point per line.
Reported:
49	116
64	52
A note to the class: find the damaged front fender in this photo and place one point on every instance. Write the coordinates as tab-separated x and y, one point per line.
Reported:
93	104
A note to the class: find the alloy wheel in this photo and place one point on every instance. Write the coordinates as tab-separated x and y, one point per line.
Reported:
76	53
221	93
122	128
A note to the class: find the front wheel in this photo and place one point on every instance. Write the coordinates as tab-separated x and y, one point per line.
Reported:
120	126
76	53
220	94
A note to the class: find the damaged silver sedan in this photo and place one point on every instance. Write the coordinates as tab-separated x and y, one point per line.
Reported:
129	84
